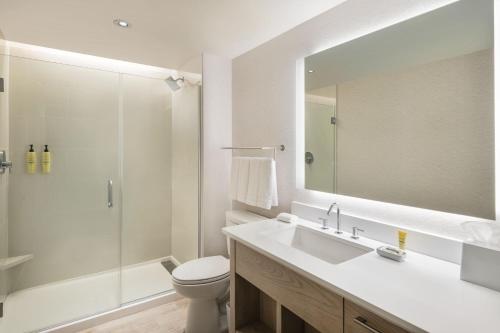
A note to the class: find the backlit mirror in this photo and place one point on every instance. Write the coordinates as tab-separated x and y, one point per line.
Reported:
406	114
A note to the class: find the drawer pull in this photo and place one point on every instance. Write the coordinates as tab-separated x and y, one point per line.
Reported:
363	323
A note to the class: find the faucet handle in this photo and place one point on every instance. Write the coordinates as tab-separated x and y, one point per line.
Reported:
355	232
324	224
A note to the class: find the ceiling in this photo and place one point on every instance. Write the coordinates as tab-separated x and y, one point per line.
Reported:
166	33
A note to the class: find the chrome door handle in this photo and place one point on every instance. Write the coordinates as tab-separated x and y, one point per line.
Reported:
4	164
110	193
364	323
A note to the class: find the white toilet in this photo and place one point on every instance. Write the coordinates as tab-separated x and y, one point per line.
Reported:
205	282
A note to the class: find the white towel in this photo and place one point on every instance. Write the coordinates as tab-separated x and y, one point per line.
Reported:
253	181
268	189
235	165
243	169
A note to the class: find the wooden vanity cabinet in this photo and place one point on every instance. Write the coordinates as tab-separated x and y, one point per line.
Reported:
268	297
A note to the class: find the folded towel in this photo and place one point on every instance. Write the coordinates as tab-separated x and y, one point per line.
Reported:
235	164
253	181
243	169
267	190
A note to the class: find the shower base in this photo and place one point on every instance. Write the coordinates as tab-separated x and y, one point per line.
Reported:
33	309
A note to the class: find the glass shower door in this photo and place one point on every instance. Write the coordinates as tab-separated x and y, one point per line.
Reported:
68	218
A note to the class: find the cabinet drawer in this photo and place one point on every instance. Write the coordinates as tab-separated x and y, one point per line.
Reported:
316	305
360	320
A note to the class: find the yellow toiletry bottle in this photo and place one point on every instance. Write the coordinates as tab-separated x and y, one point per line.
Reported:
46	160
31	161
402	239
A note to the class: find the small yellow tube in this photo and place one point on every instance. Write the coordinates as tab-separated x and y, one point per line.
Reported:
46	160
402	239
30	161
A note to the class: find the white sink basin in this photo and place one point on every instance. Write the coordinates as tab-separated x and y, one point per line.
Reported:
319	244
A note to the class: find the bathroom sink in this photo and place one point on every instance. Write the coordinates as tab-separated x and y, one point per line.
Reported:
319	244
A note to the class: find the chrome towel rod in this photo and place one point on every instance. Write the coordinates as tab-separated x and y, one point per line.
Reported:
280	147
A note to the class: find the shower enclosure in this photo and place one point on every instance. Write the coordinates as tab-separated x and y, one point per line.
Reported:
119	206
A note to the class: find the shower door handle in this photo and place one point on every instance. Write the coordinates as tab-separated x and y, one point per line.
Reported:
110	193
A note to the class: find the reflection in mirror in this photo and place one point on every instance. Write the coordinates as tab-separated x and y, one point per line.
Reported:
319	119
406	114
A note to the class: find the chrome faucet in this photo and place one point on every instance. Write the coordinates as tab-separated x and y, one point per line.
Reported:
332	206
324	223
355	232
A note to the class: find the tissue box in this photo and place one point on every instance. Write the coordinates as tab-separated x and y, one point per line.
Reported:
481	265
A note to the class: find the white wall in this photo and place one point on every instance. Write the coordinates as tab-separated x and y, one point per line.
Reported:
216	162
264	102
185	172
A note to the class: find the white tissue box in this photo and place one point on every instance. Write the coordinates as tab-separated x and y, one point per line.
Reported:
481	265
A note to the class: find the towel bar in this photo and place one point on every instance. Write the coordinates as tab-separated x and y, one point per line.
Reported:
281	148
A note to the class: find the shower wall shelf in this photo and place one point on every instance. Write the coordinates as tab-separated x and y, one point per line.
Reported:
7	263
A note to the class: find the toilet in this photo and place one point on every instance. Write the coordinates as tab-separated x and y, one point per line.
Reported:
205	282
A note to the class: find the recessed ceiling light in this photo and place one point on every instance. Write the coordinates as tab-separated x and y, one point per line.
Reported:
121	23
311	71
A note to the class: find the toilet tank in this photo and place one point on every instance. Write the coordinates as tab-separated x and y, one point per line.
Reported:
236	217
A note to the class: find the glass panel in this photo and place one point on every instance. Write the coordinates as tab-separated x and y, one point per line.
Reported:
320	143
160	183
62	218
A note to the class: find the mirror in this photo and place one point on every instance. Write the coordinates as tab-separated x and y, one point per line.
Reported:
406	114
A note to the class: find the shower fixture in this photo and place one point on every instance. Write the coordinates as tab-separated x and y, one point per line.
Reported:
121	23
175	84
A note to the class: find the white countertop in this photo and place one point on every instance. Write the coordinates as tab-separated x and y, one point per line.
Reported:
420	294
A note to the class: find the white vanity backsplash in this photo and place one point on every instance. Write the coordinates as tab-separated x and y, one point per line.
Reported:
435	246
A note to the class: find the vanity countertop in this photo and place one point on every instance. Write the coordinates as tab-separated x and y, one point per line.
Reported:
421	293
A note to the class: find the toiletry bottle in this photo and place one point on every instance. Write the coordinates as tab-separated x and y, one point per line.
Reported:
402	239
46	160
31	161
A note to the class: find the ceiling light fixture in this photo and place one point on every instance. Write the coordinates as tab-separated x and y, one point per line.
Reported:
311	71
121	23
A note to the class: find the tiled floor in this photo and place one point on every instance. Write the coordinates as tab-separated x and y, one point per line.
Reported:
166	318
52	304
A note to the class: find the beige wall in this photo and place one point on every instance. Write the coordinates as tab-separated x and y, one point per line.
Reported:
147	126
185	172
264	103
416	135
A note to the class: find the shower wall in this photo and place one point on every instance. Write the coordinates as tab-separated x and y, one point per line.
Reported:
147	195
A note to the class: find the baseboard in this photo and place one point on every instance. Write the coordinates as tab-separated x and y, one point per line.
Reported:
123	311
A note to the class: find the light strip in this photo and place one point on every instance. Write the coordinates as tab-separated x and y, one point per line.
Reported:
94	62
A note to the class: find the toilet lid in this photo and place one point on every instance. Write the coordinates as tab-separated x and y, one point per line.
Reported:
203	270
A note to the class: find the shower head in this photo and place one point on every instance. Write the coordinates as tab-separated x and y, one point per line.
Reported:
175	84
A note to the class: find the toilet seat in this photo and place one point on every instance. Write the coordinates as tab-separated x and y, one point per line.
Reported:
202	271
